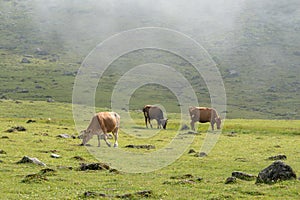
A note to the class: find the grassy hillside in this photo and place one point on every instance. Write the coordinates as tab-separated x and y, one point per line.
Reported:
245	145
255	45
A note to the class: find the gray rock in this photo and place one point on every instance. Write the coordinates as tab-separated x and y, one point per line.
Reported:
27	159
25	60
278	157
53	155
201	154
64	136
230	180
243	176
277	171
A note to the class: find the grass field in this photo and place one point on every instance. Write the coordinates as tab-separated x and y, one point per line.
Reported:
244	145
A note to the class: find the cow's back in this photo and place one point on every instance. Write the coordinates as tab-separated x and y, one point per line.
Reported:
205	114
155	113
108	121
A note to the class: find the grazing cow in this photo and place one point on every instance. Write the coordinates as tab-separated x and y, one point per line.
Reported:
154	112
203	115
102	123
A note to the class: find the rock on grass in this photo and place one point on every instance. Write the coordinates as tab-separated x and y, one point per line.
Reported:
243	176
277	171
27	159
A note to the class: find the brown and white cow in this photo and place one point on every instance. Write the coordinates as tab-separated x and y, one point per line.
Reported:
203	115
154	112
101	124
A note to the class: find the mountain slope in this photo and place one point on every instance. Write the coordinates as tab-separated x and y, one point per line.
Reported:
255	45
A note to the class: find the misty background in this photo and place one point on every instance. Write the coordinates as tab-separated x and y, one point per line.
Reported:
255	43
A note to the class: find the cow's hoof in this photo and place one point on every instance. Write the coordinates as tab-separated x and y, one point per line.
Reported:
115	145
109	145
81	144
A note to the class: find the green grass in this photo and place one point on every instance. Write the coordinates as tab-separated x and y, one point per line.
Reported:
244	146
259	45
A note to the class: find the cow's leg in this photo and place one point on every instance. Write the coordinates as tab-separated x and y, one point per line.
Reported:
158	123
106	141
146	121
149	122
193	125
212	125
116	137
99	137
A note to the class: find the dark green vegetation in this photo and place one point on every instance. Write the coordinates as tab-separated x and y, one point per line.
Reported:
245	145
255	45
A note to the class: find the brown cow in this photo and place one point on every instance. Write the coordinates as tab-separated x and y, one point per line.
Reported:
203	115
154	112
102	123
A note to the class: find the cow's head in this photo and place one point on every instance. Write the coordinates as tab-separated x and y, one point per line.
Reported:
164	123
218	122
85	136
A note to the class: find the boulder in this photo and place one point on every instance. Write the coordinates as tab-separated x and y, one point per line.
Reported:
277	171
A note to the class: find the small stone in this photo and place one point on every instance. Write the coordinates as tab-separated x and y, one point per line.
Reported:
53	155
201	154
230	180
30	121
278	157
243	176
191	151
63	136
25	60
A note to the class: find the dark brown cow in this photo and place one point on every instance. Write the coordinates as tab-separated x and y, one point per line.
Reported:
154	112
101	124
203	115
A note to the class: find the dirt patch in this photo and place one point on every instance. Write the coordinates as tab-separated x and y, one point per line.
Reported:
94	166
15	129
79	158
136	195
39	177
146	146
2	151
183	179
